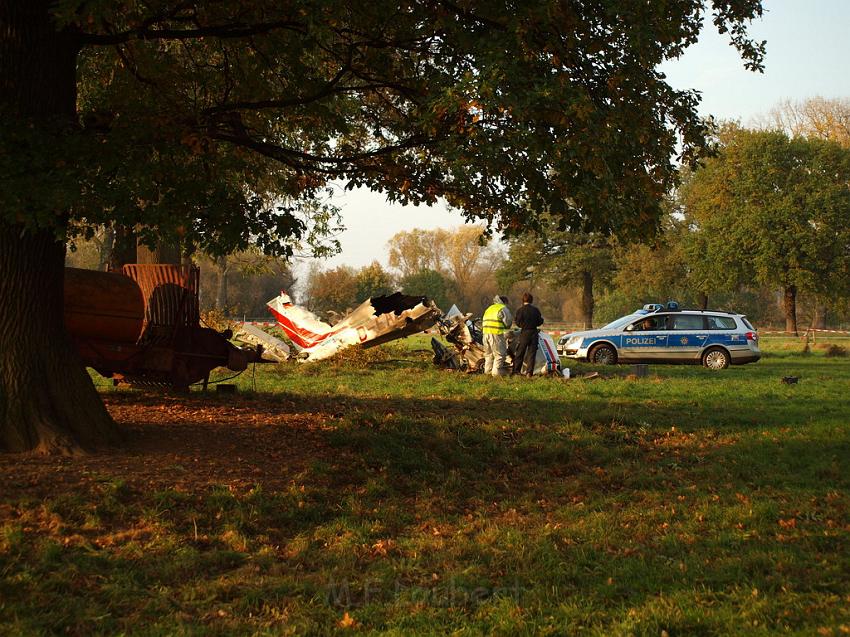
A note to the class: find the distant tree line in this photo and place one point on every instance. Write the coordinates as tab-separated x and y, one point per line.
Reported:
449	266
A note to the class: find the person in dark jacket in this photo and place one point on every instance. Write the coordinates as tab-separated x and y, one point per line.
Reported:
528	319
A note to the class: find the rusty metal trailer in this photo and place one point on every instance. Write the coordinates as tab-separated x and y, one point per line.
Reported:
142	326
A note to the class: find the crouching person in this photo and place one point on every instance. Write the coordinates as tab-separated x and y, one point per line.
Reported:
496	323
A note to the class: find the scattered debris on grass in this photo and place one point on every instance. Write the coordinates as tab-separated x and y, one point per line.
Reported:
835	351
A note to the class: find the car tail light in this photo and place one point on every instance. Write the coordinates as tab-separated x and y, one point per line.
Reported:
752	336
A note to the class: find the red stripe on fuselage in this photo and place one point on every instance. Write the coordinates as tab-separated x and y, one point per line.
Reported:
302	337
550	364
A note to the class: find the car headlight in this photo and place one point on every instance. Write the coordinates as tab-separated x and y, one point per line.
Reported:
571	342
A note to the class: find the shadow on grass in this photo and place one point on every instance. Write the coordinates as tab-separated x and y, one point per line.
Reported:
478	449
590	511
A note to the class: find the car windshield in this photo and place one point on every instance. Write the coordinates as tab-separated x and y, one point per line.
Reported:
620	322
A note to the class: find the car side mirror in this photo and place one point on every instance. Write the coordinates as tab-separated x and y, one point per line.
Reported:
630	328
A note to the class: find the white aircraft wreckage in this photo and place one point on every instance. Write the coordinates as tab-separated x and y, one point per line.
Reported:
273	349
387	318
377	320
468	355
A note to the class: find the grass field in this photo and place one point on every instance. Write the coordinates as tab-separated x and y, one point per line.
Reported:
379	495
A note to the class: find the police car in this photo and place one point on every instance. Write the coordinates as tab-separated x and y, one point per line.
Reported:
666	334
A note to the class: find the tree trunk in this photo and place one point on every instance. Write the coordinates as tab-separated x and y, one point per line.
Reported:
703	300
790	308
587	299
819	317
163	252
106	248
187	254
221	289
123	248
47	400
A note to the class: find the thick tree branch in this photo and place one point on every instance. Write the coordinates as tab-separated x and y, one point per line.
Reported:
328	89
301	159
289	103
466	14
133	67
222	31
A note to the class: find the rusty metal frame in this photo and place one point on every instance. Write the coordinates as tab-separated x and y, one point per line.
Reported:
170	293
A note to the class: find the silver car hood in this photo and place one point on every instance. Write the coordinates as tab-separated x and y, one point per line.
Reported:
586	333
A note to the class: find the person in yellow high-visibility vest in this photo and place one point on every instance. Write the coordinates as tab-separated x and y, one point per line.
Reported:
497	321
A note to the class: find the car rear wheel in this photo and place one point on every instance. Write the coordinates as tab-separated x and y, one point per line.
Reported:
603	355
716	358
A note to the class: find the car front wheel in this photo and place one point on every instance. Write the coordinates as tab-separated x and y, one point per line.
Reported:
603	355
716	358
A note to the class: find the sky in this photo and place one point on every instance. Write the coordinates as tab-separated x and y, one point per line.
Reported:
808	50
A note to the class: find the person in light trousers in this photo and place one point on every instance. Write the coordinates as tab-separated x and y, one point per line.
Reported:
497	321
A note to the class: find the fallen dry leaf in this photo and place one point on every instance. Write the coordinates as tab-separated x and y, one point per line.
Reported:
347	621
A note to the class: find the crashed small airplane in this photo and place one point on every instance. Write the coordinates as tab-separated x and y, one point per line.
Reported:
377	320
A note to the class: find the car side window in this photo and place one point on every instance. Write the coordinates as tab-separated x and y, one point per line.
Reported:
720	322
650	324
688	322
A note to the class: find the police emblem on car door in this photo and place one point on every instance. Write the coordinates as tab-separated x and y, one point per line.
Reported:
691	343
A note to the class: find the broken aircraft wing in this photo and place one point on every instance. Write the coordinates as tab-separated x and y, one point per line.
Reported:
274	349
377	320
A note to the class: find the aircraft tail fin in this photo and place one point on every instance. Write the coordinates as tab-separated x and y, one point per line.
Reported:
304	329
